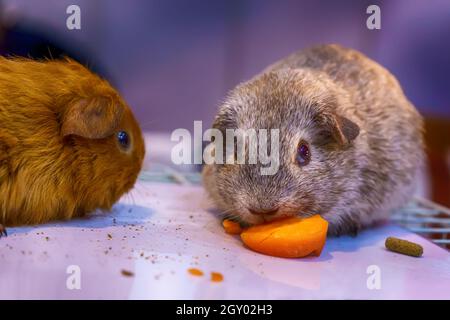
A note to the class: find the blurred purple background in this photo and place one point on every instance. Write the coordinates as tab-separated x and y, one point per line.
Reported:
174	61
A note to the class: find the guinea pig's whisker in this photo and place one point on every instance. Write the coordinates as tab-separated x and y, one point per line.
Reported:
138	191
227	213
132	198
128	198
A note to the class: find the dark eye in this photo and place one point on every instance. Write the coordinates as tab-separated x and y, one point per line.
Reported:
123	139
303	154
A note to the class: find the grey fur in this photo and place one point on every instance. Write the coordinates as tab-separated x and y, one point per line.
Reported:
365	139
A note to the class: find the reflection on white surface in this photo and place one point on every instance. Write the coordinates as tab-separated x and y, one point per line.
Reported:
162	230
290	272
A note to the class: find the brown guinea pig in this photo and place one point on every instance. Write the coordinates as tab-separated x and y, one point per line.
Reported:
69	144
350	142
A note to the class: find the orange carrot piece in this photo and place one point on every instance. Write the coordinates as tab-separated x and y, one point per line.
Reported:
292	237
231	227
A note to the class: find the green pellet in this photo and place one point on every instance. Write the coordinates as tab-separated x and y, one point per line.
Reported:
403	247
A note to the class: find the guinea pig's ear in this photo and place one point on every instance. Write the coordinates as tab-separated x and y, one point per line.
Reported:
341	129
92	118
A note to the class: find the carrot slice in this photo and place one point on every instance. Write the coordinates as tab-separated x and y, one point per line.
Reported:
231	227
216	277
195	272
292	237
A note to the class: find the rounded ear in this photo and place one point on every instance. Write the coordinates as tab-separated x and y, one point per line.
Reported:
92	118
341	129
344	130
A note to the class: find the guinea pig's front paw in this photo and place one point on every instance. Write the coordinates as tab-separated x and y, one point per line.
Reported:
3	231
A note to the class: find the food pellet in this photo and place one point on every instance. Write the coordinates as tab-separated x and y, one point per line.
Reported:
127	273
404	247
195	272
216	277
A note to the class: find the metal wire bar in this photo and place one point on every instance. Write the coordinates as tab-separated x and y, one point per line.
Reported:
414	220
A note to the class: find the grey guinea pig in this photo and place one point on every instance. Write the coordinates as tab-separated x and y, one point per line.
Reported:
351	143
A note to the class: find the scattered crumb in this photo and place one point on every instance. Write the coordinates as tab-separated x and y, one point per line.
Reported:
195	272
216	277
109	236
158	276
127	273
47	238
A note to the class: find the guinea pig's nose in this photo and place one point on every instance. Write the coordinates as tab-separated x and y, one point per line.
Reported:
269	212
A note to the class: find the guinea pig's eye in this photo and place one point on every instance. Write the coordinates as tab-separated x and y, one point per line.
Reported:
123	139
303	154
